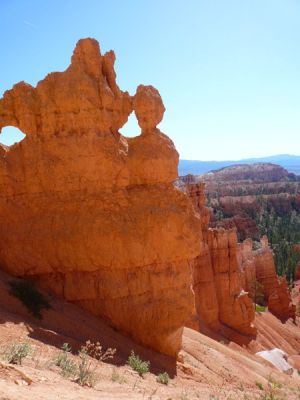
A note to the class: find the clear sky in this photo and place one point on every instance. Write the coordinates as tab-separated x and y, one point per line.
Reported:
228	70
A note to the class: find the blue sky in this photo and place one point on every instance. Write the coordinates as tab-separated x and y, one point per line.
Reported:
228	71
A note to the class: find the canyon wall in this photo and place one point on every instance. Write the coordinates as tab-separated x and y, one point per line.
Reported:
93	215
245	227
228	276
258	274
206	307
220	301
235	307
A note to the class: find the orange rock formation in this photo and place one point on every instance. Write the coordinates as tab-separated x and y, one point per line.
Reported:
258	266
225	273
235	307
220	301
94	215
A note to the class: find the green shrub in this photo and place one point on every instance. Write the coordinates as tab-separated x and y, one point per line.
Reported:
116	377
269	396
138	365
163	378
29	295
259	385
83	371
276	385
260	308
256	245
15	352
63	355
86	371
68	367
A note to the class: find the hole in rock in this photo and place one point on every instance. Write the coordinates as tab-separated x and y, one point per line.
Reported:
131	128
10	135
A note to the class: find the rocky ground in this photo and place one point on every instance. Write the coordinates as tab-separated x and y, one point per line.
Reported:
205	369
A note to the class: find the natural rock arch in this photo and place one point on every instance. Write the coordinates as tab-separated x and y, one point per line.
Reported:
91	214
11	135
131	129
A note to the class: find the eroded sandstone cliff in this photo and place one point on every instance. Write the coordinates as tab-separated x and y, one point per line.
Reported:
91	214
221	304
258	274
228	277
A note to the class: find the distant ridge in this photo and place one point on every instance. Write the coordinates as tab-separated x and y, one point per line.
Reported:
290	162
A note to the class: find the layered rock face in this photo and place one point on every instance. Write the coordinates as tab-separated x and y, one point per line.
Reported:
91	214
246	258
259	172
219	298
245	227
240	194
258	266
206	311
235	307
227	276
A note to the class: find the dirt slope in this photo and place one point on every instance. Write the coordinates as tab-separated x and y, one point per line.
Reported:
206	369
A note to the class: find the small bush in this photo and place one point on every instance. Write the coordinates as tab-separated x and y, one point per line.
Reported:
273	390
83	371
138	365
260	308
68	367
259	385
86	371
63	355
29	295
277	385
256	245
15	352
269	396
95	350
116	377
163	378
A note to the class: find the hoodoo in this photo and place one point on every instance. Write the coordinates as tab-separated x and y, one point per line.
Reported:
221	304
93	215
258	267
